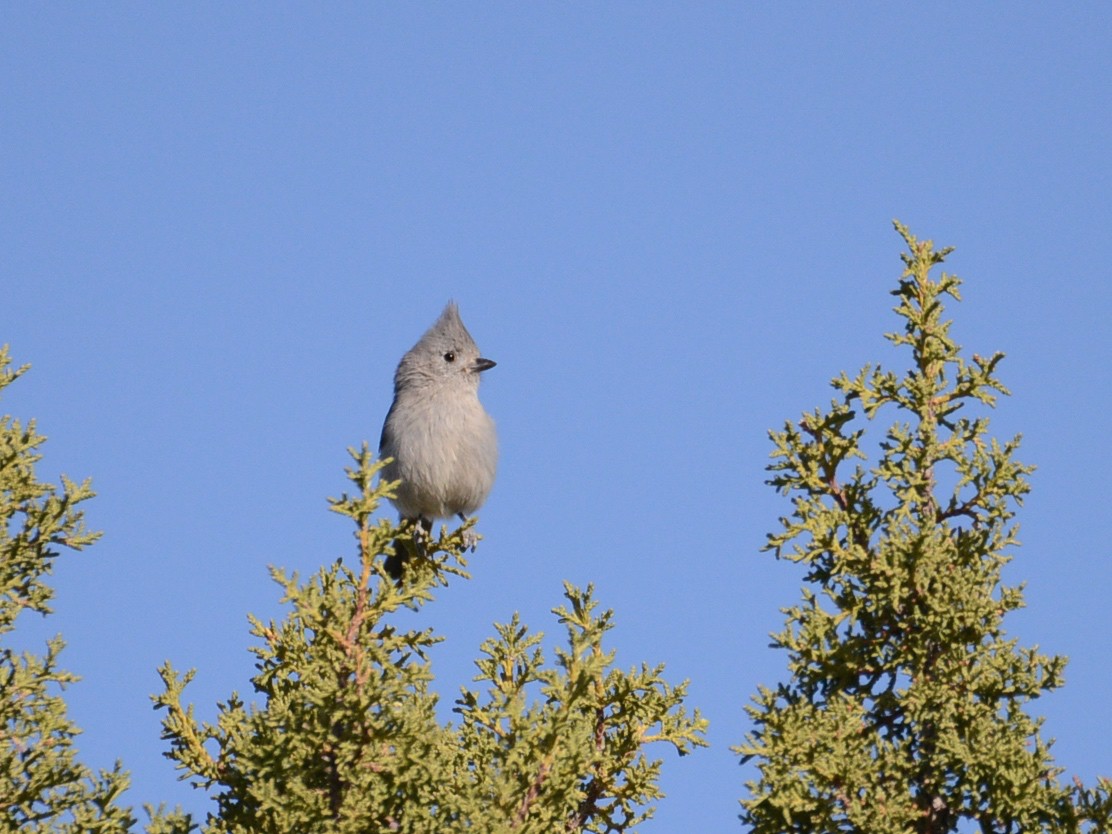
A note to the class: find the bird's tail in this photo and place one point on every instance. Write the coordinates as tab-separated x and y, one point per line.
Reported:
406	549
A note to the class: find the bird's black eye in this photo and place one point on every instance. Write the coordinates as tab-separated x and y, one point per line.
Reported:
450	356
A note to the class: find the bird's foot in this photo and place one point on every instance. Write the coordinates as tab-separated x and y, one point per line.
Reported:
470	537
422	535
470	540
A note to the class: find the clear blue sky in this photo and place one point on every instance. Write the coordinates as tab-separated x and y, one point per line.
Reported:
668	223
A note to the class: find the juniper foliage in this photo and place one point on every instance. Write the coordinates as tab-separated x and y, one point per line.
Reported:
907	705
344	736
44	787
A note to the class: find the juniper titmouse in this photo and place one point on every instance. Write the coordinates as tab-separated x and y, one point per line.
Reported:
441	439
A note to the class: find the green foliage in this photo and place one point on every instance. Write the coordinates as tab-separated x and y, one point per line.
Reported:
43	787
346	738
905	711
572	761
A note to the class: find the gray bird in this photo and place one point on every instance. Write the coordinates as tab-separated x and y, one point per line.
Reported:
441	439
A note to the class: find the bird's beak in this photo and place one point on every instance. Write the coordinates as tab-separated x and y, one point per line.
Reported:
483	365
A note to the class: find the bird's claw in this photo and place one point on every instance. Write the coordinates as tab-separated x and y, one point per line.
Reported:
470	540
422	536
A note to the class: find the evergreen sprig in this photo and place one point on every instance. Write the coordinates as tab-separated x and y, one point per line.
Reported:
44	787
574	760
905	711
344	736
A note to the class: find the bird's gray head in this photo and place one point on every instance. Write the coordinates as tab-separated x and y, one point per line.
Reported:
445	355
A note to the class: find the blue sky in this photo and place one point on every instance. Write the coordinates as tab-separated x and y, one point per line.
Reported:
670	224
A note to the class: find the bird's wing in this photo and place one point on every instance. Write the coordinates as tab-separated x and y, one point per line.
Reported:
387	433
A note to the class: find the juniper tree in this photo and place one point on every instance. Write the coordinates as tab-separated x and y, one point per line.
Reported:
43	785
343	734
906	709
